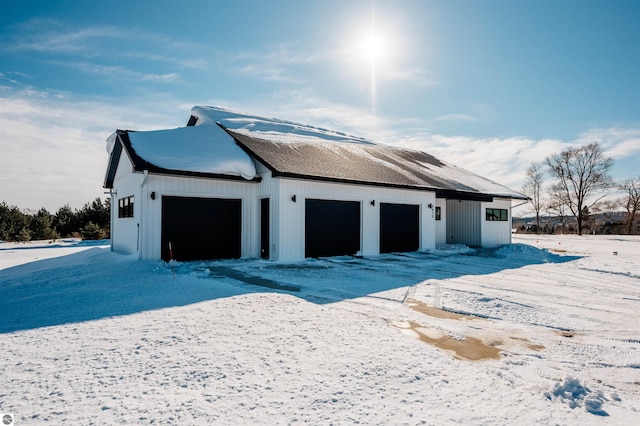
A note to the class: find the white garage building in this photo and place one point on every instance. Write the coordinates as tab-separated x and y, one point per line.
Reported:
232	185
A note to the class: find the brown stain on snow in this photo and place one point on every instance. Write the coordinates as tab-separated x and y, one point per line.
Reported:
432	311
470	348
530	345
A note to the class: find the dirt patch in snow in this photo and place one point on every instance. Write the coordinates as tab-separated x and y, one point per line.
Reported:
530	345
469	348
432	311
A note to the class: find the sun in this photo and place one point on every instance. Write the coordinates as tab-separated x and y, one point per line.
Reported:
373	48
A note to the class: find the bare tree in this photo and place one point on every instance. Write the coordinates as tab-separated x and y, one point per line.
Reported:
631	201
581	173
532	188
557	205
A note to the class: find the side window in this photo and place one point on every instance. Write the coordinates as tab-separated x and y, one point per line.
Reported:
125	207
438	213
501	215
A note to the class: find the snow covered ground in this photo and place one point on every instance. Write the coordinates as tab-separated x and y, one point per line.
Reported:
546	331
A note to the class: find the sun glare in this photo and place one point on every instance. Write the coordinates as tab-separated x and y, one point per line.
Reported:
373	48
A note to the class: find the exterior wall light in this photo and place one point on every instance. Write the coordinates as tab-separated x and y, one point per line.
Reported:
373	202
293	198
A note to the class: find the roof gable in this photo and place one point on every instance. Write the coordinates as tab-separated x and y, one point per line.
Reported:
120	141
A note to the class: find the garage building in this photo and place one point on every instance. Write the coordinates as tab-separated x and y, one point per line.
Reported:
231	185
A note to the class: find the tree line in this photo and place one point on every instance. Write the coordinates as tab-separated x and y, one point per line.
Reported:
91	222
582	187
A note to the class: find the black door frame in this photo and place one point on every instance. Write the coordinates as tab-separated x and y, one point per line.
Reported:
332	231
265	234
398	232
212	229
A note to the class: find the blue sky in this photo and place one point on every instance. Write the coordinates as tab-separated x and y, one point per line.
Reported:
487	85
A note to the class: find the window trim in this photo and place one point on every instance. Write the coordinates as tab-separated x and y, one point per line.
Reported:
496	215
125	207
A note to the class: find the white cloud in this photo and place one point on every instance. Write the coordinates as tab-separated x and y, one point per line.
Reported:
53	143
122	72
456	117
53	147
272	63
46	35
618	142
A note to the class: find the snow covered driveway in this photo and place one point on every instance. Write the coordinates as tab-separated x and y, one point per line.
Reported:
91	337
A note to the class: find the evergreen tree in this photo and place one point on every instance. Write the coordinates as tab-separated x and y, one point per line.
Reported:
41	226
65	221
14	225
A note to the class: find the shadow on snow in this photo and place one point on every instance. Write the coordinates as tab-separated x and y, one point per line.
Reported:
96	283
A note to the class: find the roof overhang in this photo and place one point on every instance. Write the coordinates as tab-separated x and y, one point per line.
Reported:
123	143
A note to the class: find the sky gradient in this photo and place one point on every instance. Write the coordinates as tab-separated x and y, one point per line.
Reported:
488	85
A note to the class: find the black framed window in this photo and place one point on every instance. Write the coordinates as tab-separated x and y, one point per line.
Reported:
501	215
125	206
438	213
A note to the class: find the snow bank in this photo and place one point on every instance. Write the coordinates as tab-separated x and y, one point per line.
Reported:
527	252
450	250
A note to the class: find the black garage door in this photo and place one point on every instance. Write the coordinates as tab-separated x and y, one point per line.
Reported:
332	228
201	228
399	227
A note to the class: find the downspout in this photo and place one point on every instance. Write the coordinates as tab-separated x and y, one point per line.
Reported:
141	221
513	207
112	215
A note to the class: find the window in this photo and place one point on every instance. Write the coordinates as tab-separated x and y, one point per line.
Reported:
497	214
438	213
125	207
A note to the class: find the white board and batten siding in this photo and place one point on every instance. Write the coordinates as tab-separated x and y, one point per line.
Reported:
441	225
268	188
495	233
142	233
289	239
171	186
462	222
125	232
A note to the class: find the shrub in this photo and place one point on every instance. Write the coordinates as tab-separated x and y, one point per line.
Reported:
92	231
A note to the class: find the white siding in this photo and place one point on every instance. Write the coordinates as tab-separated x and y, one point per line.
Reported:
441	225
151	219
291	216
496	233
268	188
124	231
463	222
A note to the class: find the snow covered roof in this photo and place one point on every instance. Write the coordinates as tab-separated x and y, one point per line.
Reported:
271	129
221	143
377	165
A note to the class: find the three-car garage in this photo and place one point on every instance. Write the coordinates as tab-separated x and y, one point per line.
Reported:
211	228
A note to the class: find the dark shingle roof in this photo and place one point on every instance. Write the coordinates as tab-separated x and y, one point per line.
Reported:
374	164
209	147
